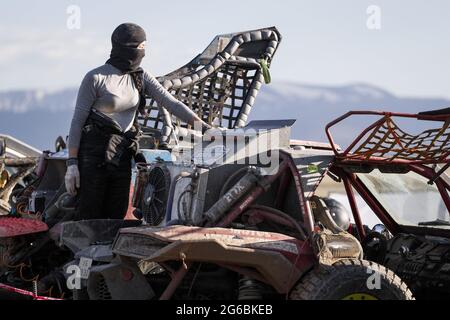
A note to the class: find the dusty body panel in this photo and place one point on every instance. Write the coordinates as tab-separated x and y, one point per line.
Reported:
270	254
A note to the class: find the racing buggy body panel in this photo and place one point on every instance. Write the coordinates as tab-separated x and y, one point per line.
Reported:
264	254
14	227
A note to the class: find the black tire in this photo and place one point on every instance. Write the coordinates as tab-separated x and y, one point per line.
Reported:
348	280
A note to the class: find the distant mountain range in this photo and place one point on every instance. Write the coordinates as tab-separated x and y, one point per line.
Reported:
38	117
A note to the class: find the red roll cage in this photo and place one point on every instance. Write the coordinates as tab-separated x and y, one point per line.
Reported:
384	145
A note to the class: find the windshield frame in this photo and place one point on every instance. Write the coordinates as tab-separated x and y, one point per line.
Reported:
347	173
414	184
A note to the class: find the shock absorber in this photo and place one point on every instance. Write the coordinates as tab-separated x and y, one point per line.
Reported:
249	289
246	183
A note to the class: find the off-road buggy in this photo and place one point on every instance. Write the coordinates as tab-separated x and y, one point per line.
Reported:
403	178
232	215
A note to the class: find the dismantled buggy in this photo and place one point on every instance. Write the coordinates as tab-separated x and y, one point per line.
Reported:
230	215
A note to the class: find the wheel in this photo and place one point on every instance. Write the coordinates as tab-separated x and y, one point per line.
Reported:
351	279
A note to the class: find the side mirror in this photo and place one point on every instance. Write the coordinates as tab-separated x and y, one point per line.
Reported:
381	229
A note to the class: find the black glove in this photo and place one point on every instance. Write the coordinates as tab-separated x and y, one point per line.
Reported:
139	158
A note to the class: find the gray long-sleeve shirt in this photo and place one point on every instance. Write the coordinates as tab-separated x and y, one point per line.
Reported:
113	93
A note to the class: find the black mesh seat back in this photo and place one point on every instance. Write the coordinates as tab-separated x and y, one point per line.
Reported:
221	83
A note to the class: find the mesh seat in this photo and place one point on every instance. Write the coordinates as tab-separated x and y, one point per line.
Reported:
220	85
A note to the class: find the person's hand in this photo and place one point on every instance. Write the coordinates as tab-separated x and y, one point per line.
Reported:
72	179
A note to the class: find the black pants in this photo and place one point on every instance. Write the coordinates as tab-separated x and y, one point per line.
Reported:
104	189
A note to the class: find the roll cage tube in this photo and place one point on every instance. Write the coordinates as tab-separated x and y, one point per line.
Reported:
351	180
384	143
286	170
405	148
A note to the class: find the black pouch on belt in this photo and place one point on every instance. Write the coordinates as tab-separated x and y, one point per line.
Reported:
105	124
119	144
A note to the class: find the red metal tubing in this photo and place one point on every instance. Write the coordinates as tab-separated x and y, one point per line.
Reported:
424	171
248	200
175	282
444	194
354	207
376	207
431	174
441	185
362	134
25	293
286	164
307	212
383	161
281	194
379	113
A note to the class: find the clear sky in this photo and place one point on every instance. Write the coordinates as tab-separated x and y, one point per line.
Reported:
325	41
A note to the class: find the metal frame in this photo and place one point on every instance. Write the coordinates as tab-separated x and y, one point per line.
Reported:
286	169
346	156
351	181
22	292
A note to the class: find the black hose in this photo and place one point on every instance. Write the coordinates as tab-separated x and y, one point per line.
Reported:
183	216
173	185
283	215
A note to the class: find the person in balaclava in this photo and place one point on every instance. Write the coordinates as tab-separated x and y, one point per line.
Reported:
103	137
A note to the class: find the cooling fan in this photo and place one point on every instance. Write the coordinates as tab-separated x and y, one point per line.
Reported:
153	200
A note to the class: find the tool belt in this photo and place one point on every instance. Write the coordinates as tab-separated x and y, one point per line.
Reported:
118	143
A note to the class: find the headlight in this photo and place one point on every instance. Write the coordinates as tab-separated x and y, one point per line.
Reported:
137	246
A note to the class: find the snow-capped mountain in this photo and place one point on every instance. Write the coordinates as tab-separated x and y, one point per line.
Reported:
38	117
314	106
21	101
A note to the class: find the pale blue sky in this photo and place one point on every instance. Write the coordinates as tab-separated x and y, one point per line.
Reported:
325	42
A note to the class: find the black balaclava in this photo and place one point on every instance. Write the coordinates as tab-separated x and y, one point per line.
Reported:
125	55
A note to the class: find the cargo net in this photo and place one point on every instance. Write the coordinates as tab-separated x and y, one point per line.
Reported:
387	142
220	85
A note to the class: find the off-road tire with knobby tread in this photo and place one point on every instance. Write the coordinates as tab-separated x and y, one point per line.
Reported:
349	277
